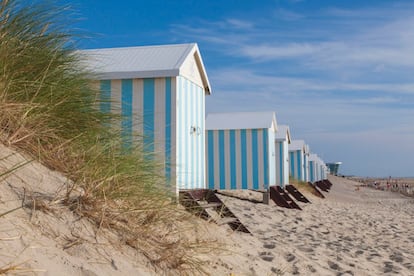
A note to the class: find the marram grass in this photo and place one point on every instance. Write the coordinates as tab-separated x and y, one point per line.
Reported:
48	110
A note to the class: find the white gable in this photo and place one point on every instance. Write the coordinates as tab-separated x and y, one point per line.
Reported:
189	70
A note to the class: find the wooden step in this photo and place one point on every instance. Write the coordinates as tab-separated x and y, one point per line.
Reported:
281	198
296	194
207	205
316	190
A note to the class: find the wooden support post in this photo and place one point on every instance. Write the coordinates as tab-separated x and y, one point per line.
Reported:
266	197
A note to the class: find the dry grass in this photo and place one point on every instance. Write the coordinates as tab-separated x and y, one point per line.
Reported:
302	186
48	112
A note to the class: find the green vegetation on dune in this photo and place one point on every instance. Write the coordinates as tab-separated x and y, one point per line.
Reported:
48	111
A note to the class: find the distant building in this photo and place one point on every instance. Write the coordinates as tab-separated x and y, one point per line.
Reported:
160	93
240	150
333	167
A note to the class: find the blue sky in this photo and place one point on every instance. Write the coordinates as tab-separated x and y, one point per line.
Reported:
339	73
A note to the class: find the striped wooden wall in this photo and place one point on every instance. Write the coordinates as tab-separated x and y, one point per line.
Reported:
317	170
240	159
282	163
296	164
312	171
190	158
164	111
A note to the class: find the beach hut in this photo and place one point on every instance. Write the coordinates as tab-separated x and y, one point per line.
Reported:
297	154
160	92
317	168
313	168
240	150
282	141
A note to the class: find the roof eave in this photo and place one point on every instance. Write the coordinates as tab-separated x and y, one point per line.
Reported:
137	74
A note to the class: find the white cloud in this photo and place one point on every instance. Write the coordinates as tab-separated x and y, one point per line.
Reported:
289	50
228	78
240	24
342	79
288	15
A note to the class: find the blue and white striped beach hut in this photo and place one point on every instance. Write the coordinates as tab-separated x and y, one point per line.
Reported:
240	150
317	168
282	140
160	91
313	168
298	159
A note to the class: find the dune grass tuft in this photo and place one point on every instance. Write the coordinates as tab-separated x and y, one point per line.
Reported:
48	111
301	185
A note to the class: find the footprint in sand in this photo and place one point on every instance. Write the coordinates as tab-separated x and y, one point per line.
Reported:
269	245
388	267
266	256
277	271
359	252
374	254
346	273
311	268
290	257
305	249
333	265
397	257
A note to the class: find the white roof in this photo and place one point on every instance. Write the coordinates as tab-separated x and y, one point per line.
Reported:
297	145
313	157
282	132
241	120
144	62
316	158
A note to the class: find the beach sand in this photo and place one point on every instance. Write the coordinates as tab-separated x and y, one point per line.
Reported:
351	232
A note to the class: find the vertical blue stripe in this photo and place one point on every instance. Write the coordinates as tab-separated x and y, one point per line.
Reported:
292	164
222	160
255	161
126	130
233	184
105	96
243	158
266	158
149	100
210	142
168	129
281	157
311	170
299	165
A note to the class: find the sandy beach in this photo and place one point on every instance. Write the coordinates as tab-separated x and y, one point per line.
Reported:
353	231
